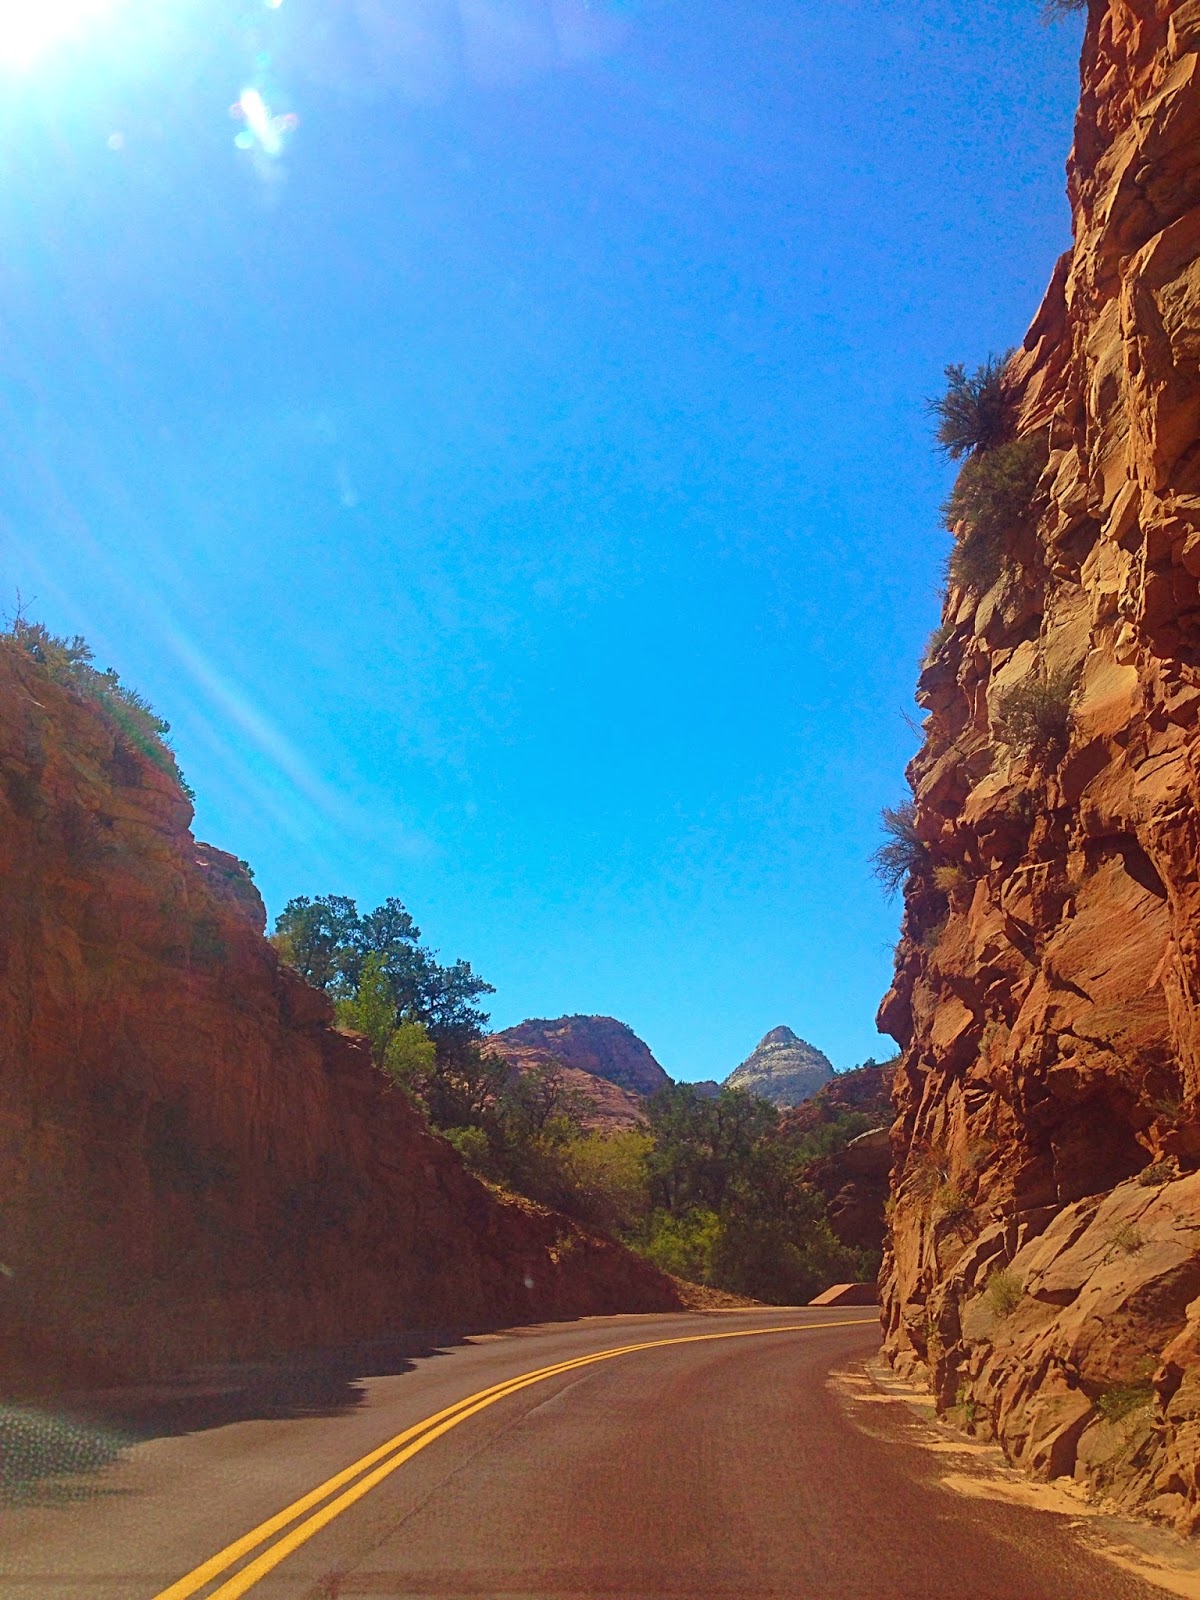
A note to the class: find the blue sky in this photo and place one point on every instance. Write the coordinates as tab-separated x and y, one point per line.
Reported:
510	473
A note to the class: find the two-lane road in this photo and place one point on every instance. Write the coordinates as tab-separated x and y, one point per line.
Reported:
688	1455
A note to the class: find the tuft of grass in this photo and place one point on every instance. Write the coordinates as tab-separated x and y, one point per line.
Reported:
991	499
1004	1291
976	412
1034	717
1125	1240
951	1202
940	636
902	850
1120	1399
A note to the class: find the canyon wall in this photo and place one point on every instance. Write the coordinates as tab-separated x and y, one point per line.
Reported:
1043	1267
197	1166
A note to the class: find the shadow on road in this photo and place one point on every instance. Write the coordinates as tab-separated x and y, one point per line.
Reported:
51	1449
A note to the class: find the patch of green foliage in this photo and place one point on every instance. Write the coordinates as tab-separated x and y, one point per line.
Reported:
338	949
951	1203
69	663
1121	1399
976	412
991	498
902	850
1034	717
1004	1292
707	1188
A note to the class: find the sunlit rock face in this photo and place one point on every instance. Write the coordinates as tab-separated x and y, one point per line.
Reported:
602	1046
197	1165
1043	1265
783	1069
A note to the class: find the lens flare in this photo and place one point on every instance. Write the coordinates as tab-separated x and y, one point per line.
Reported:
29	28
263	131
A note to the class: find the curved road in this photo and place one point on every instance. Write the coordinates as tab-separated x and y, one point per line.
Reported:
697	1465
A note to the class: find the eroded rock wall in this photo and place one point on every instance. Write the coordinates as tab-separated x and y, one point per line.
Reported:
196	1165
1043	1263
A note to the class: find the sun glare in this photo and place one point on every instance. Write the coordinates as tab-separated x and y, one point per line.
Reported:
29	28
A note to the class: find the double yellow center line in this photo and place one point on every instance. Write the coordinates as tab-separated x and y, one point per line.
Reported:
361	1476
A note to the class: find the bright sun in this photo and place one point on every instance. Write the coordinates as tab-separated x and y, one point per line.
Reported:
28	28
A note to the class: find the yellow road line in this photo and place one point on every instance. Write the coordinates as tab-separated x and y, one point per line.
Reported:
406	1445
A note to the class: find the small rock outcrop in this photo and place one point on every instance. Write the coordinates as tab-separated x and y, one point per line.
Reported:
600	1046
1043	1267
783	1069
197	1165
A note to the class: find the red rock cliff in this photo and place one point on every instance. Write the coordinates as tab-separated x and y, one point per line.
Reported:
1043	1265
196	1164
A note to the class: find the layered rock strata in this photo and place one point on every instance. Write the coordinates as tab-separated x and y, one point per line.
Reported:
782	1068
197	1166
1044	1259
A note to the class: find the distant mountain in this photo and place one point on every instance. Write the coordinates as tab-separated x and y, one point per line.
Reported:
783	1068
600	1056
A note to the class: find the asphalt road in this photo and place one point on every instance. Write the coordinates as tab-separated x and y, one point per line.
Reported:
725	1467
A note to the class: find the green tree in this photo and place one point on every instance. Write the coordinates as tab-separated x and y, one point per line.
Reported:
330	943
410	1058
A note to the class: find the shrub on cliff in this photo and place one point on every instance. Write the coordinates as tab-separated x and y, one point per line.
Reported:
976	412
1034	717
991	499
902	850
69	663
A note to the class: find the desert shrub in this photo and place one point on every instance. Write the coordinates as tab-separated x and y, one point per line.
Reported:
69	662
976	412
1056	10
1034	717
1157	1172
951	1202
1003	1291
1120	1399
927	1171
991	498
902	850
472	1145
939	637
949	878
1125	1240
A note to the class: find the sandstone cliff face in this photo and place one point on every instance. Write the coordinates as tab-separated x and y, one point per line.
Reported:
602	1046
782	1068
1044	1264
196	1164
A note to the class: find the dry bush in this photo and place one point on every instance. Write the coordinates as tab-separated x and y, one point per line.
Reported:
1034	717
990	501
